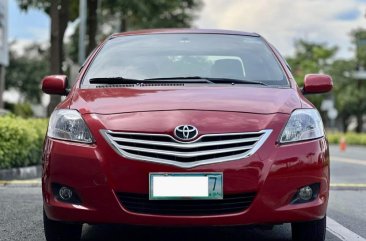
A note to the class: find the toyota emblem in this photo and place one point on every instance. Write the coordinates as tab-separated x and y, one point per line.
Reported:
185	132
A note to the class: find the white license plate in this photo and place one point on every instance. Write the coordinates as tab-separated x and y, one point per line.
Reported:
185	186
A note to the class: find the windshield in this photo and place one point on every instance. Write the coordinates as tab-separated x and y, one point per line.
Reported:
164	56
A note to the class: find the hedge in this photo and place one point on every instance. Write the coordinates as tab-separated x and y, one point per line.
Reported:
351	138
21	141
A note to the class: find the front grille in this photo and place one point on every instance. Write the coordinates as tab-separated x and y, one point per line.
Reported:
207	149
140	203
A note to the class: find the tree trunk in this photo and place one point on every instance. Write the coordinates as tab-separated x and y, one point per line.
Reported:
123	26
59	13
54	51
359	122
2	85
92	25
64	15
345	123
359	112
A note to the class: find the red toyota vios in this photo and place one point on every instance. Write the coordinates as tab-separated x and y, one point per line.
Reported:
185	128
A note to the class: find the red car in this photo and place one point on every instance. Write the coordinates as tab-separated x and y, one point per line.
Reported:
185	128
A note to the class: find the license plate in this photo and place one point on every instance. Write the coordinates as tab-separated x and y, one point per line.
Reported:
173	186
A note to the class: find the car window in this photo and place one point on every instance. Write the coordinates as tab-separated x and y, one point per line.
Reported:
184	55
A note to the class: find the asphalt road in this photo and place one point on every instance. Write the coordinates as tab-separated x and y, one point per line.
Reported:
21	213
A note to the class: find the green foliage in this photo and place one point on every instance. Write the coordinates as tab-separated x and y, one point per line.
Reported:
359	40
39	4
349	92
153	13
349	95
45	6
72	47
25	72
21	141
351	138
20	109
144	14
23	110
311	58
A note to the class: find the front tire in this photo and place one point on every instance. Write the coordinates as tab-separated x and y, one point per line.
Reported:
59	231
312	230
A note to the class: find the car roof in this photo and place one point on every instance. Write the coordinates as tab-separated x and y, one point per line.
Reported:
183	30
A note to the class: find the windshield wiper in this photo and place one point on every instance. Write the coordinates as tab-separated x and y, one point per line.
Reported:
121	80
212	80
234	81
184	79
113	80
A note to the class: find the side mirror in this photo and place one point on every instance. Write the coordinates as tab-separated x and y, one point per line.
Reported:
317	83
55	85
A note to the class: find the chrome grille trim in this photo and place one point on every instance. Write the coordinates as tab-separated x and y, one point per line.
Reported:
149	146
186	145
186	154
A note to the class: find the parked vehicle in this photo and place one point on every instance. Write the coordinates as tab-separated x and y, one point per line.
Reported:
185	128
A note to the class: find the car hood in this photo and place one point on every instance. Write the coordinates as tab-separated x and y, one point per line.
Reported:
262	100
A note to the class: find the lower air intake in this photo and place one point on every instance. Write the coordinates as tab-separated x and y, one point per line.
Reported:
140	203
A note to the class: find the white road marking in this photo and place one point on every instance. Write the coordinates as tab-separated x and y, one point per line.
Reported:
350	185
347	160
342	232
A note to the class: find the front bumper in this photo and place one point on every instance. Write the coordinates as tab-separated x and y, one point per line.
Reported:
275	173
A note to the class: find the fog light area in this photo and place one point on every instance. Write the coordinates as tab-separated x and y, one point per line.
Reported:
306	194
65	193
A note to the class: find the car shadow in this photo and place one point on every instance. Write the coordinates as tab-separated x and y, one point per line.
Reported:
133	233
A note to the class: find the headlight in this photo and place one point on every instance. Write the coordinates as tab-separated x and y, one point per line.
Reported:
304	124
68	125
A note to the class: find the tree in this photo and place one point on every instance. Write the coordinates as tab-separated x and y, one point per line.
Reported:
309	58
25	72
60	12
359	40
92	25
359	91
152	13
345	90
130	15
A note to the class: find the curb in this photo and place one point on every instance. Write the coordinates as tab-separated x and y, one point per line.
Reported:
21	173
21	183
